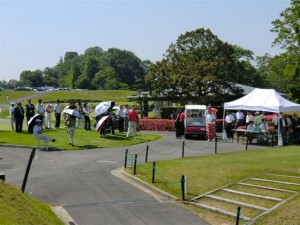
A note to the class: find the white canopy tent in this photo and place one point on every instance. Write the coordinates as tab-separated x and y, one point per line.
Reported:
264	100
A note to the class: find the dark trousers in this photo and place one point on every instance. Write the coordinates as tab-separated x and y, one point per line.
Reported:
228	130
57	120
121	124
19	125
87	122
178	129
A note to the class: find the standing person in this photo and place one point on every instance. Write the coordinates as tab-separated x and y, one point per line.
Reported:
38	133
12	115
120	113
177	123
19	117
249	118
275	120
7	98
133	122
70	123
48	111
296	127
239	119
211	123
126	120
29	110
79	120
111	119
229	121
86	111
283	127
41	110
57	111
181	123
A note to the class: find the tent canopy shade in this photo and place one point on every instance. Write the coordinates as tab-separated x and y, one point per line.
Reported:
263	100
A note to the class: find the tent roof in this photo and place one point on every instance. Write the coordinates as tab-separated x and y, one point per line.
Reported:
263	100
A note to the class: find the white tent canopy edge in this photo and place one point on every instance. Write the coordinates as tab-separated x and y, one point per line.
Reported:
263	100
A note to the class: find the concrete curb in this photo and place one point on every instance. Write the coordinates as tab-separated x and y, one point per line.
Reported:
63	215
151	190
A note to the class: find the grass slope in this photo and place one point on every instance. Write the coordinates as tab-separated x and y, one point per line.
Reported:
18	208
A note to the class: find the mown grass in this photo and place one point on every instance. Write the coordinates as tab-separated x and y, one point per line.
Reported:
18	208
207	173
83	139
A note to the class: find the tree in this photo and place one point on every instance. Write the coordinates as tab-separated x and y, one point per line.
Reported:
82	82
198	66
32	78
127	65
106	79
288	37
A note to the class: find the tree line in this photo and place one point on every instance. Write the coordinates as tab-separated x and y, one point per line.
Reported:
198	66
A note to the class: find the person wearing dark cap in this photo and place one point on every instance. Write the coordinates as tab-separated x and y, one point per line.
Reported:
38	133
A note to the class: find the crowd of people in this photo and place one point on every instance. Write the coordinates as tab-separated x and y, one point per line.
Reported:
289	126
40	115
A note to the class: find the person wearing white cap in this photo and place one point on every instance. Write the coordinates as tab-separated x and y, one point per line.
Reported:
38	133
12	116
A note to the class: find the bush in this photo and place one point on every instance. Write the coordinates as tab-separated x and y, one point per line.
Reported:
156	124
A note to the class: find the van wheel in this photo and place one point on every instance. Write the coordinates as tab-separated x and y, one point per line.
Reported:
186	136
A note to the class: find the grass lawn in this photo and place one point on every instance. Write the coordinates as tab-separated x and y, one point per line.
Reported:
207	173
83	139
18	208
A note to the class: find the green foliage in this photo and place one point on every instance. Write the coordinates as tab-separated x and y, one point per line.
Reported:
198	66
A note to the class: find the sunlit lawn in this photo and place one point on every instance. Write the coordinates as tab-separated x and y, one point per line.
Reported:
207	173
83	139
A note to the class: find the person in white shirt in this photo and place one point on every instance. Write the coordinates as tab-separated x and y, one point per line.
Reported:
38	133
87	120
265	129
12	116
48	111
275	120
239	119
57	111
249	117
40	110
210	124
229	121
120	113
126	120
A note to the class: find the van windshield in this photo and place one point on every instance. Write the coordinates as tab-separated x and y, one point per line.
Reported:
195	121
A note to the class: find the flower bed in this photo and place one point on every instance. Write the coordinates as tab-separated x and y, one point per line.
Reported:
156	124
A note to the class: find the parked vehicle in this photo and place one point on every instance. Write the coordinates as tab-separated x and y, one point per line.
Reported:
195	122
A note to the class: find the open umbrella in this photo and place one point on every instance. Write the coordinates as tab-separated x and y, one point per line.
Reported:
101	123
73	112
102	108
32	122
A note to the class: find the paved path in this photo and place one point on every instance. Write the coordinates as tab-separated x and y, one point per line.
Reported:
81	182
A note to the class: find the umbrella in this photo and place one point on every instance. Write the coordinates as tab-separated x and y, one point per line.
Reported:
102	108
101	123
32	122
73	112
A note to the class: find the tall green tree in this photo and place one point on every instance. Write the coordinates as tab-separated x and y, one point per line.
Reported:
198	66
126	64
32	78
287	28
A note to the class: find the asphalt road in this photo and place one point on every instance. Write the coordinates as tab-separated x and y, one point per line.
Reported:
82	182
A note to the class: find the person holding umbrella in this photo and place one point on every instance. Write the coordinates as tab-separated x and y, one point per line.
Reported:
38	133
70	121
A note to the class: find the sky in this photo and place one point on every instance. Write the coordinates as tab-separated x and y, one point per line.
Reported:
36	34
